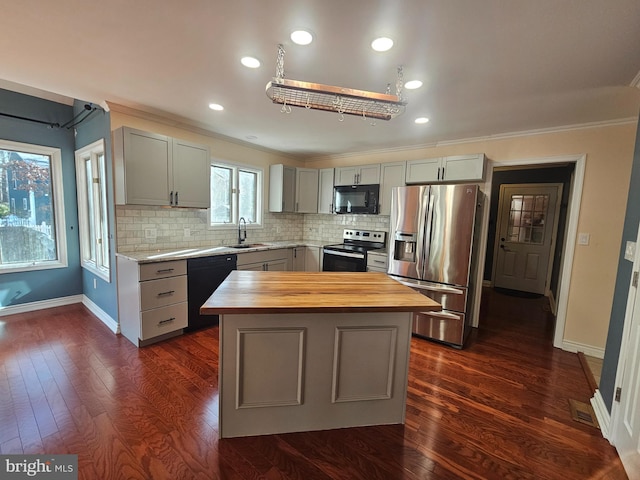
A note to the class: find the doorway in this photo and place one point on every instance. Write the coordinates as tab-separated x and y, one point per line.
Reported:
566	170
526	232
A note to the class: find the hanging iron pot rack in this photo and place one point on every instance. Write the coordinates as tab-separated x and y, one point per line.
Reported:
329	98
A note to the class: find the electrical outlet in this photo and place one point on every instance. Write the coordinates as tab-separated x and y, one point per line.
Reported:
150	233
583	238
95	283
630	251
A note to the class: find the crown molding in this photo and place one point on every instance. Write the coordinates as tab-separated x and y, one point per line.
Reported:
189	125
35	92
500	136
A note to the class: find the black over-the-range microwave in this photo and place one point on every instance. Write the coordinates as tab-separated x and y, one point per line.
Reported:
356	198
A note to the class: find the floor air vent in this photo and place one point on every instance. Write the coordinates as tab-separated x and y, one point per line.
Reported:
583	413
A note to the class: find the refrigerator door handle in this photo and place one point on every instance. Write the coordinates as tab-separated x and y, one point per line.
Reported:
426	244
443	314
431	288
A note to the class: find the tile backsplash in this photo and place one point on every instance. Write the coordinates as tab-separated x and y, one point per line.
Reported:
142	228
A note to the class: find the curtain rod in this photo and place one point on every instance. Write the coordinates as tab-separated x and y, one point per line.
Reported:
89	109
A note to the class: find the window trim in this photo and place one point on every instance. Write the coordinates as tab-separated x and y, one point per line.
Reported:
57	194
235	167
91	152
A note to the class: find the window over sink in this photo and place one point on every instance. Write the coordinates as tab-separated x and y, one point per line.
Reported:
236	191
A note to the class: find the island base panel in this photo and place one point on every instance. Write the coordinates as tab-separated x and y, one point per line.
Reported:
300	372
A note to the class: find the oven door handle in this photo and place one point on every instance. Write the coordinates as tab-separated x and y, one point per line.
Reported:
431	288
343	254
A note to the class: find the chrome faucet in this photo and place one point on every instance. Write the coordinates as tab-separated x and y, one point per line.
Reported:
241	237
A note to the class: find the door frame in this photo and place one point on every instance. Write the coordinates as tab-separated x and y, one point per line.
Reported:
554	230
616	411
573	212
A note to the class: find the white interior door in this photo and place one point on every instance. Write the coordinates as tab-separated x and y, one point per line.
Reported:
527	224
626	413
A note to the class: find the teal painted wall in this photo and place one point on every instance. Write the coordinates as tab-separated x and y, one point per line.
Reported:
96	126
621	292
26	287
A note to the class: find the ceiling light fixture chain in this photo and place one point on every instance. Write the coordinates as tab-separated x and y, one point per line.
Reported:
399	82
329	98
280	64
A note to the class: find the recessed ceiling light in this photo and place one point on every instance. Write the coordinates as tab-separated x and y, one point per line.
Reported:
216	106
250	62
382	44
301	37
421	120
413	84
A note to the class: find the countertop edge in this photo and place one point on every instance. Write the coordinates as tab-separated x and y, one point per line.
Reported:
318	309
199	252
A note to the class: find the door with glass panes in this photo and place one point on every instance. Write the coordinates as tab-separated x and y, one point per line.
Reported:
527	224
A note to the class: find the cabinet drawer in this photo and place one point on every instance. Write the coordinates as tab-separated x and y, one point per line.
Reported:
164	291
149	271
378	261
163	320
443	326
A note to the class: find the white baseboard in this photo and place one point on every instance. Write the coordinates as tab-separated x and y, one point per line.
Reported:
59	302
40	305
590	350
101	314
602	414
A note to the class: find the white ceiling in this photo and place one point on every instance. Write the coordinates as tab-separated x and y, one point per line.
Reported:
489	67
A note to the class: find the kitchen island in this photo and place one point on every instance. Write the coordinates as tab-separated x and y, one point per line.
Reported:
303	351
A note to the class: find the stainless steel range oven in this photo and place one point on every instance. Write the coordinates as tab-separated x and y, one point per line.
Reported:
351	255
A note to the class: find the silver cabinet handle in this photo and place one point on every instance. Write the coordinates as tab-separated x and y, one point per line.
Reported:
168	320
171	198
176	198
166	270
164	294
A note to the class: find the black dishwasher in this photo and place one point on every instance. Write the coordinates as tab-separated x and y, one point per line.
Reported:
204	275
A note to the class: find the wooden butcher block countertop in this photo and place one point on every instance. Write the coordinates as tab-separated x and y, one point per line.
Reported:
313	292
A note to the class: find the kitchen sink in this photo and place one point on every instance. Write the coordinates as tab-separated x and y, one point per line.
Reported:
246	245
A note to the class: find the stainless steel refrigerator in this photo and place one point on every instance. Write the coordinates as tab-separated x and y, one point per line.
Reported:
431	249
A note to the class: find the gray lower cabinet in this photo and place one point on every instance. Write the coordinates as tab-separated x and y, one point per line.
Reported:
269	260
152	299
306	259
377	262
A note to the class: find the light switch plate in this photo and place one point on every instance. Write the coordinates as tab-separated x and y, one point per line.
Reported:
583	238
630	251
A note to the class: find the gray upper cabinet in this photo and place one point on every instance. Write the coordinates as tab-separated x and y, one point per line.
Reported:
293	189
446	169
306	190
325	190
153	169
391	175
282	188
191	171
359	175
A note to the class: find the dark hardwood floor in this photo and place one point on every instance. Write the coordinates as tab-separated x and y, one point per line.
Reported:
496	410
